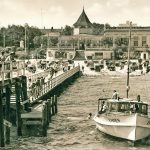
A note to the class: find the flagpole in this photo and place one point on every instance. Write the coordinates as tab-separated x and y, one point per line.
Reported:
128	69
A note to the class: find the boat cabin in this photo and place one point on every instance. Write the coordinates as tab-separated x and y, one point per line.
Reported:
123	106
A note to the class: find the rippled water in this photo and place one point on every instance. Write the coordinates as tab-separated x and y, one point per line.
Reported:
71	130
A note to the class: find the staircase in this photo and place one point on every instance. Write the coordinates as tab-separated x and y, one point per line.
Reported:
79	55
13	96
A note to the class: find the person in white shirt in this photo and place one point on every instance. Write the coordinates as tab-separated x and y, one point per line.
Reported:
115	95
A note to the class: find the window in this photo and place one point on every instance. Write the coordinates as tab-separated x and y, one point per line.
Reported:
144	109
144	40
125	41
123	107
114	107
135	42
99	55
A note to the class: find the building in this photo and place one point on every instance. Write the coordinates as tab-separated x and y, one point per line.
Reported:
83	25
112	43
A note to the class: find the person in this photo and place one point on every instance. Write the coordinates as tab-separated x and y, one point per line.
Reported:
132	108
103	108
11	57
82	68
3	57
115	95
138	98
89	116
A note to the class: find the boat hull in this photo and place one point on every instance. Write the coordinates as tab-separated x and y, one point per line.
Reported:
130	127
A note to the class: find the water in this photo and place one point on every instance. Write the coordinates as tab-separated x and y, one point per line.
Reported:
72	130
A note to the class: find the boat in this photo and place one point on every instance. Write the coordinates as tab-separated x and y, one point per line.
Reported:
124	118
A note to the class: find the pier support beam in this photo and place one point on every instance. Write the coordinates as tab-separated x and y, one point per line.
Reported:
55	100
18	107
7	112
2	143
24	92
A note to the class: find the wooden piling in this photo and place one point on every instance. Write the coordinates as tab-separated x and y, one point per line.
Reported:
47	103
18	107
52	105
44	122
50	110
7	112
2	143
24	92
55	104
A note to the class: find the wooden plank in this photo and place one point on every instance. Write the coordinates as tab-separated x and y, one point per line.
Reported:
32	122
31	115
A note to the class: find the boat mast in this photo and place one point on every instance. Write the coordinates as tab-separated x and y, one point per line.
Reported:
128	70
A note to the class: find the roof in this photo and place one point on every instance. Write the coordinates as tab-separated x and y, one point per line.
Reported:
126	100
83	21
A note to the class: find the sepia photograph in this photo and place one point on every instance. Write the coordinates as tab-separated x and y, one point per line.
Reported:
74	74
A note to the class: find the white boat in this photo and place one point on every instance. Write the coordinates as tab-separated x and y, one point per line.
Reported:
124	118
123	121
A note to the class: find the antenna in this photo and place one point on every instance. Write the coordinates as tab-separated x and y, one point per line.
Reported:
82	4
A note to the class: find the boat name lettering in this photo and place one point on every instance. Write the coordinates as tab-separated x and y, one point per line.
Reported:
148	123
114	120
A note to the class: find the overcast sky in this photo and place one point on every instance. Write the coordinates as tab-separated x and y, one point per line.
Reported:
58	13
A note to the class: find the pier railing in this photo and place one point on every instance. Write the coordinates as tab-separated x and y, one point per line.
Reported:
40	90
35	76
11	69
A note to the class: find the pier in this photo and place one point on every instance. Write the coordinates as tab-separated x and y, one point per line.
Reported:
22	107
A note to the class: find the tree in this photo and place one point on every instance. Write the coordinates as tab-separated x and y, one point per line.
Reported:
67	30
97	28
121	41
107	41
15	33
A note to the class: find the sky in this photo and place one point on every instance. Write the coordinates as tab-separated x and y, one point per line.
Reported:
58	13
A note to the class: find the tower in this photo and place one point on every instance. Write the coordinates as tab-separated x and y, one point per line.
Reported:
83	25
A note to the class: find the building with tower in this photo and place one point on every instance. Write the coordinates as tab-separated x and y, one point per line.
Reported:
82	25
110	43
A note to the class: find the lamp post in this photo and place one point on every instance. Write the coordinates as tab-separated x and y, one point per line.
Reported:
25	44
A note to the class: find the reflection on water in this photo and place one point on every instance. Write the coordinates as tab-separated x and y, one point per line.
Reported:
72	130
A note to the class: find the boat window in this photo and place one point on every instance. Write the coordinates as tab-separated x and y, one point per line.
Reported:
135	108
123	107
144	109
114	107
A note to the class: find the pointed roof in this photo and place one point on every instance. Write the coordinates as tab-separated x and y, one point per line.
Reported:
83	21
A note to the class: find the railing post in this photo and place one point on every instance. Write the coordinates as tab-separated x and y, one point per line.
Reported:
11	70
24	67
2	143
3	73
18	107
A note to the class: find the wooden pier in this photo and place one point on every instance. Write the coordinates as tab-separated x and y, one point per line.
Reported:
28	109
